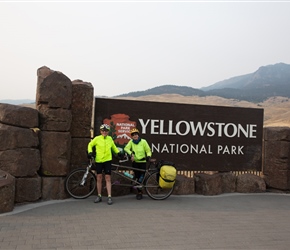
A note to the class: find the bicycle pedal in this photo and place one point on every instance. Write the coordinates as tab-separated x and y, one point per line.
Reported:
138	186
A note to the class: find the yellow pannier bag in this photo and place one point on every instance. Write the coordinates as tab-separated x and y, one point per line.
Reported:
167	176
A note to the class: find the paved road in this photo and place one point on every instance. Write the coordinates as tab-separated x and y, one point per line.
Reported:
229	221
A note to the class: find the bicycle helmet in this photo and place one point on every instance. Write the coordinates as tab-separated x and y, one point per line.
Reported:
134	130
105	127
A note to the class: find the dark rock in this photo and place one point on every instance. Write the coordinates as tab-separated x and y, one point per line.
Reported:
28	189
206	184
15	137
82	109
277	134
19	116
58	119
55	153
42	73
20	162
276	167
184	185
228	182
79	152
250	183
53	188
7	192
55	90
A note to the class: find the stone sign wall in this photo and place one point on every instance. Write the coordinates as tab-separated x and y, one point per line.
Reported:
39	147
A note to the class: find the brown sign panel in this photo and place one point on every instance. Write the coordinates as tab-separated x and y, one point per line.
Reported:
194	137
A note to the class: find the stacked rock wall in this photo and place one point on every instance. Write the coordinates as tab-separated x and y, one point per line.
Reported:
40	146
19	153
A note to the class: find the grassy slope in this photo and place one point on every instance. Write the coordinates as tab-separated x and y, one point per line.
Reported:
276	109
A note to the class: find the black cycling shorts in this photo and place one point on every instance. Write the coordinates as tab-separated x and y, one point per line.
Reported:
105	167
140	165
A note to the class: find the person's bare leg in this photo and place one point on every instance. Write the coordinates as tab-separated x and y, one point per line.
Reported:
99	183
108	184
99	188
109	188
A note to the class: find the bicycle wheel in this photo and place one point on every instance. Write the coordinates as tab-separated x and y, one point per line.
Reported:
73	184
153	190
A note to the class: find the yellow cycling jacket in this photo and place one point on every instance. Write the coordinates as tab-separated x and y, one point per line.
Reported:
141	150
104	146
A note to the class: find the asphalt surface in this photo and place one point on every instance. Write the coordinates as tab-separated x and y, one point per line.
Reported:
228	221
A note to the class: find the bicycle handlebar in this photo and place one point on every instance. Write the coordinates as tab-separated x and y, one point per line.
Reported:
126	158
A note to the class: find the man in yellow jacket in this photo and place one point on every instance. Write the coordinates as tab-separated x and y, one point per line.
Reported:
104	146
140	152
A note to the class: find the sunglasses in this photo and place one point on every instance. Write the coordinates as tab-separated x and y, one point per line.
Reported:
134	134
104	130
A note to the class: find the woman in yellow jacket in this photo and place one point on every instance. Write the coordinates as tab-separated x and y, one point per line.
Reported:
104	146
140	152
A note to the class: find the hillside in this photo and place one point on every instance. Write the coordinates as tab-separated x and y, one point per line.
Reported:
267	81
276	109
17	101
265	76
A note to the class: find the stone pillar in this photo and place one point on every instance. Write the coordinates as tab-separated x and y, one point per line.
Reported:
276	167
53	102
82	109
81	126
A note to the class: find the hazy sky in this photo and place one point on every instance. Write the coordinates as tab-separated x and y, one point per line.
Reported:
124	46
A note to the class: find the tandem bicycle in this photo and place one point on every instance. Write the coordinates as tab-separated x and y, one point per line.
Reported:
82	182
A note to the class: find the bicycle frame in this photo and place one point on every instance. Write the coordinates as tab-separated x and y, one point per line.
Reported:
82	182
119	171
